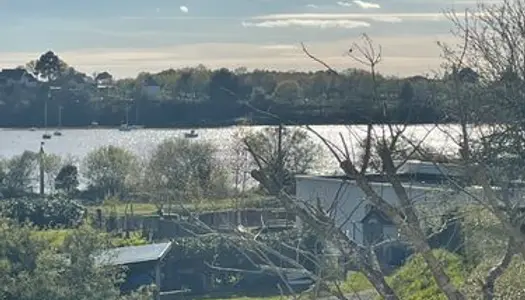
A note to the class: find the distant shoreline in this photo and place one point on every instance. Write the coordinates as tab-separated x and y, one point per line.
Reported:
195	126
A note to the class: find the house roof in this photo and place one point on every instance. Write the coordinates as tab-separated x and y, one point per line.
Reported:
16	74
133	254
377	214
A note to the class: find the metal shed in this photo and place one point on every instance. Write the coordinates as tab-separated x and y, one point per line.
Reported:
133	255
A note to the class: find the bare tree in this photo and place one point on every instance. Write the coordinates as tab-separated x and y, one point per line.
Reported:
487	75
386	140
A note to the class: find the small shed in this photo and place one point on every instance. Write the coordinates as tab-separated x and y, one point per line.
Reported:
145	262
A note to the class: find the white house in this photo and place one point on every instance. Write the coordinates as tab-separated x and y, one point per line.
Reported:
424	182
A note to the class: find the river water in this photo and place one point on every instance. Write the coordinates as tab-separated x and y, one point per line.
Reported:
76	143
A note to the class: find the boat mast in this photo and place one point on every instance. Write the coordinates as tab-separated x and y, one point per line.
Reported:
60	117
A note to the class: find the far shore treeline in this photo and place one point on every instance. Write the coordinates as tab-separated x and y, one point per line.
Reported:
200	97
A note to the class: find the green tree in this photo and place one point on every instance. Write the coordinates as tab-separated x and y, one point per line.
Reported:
20	173
48	67
111	170
189	168
67	178
31	269
279	153
52	164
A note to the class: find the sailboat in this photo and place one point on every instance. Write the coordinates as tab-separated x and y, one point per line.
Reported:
46	135
58	132
191	135
126	127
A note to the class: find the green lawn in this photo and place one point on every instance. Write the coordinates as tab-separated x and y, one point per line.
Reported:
144	209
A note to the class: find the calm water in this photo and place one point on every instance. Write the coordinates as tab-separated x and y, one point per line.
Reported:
76	143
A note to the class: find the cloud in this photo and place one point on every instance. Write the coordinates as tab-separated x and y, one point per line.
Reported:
307	23
366	5
184	9
327	20
312	6
344	3
379	17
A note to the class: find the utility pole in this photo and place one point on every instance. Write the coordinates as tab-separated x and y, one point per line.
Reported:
41	161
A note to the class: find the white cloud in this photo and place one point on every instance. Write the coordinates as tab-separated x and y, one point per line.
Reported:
344	3
327	20
184	9
319	23
366	5
312	6
380	17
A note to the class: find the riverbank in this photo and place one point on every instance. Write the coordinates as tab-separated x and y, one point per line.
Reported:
184	126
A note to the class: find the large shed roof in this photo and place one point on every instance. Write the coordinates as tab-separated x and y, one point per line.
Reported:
133	254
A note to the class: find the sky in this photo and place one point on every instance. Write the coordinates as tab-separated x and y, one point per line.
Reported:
125	37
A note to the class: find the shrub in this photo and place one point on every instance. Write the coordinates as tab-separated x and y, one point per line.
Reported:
44	212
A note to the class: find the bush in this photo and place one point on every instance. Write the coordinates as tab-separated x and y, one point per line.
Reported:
47	212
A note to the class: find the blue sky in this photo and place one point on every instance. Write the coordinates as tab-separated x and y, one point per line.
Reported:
129	36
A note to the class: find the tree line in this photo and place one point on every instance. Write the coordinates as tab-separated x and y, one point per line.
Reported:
178	169
203	97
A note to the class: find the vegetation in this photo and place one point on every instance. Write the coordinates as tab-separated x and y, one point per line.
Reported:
44	212
278	154
110	170
189	170
32	268
203	97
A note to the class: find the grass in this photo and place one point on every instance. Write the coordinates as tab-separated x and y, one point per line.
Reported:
244	298
56	238
413	281
146	209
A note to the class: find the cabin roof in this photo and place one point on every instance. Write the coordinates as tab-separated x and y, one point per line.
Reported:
133	254
15	74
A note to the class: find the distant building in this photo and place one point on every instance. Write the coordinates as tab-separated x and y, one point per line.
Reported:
349	206
151	88
17	76
426	184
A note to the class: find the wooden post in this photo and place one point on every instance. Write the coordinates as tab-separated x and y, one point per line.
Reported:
41	165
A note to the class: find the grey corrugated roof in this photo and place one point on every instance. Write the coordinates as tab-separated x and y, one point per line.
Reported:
133	254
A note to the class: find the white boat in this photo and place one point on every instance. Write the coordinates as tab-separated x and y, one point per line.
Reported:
190	135
125	127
